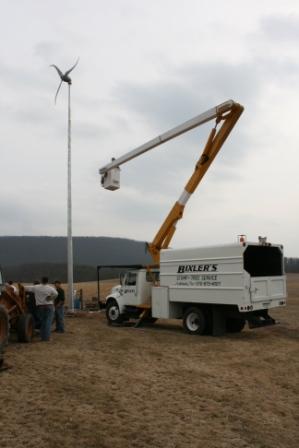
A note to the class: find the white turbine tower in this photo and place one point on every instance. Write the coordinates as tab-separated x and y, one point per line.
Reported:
66	78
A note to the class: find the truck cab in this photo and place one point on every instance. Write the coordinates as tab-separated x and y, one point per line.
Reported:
132	295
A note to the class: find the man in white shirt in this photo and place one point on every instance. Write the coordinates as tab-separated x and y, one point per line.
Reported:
44	299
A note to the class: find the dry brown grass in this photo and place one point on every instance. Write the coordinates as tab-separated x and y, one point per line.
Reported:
104	387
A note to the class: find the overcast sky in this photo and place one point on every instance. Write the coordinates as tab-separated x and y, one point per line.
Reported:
146	67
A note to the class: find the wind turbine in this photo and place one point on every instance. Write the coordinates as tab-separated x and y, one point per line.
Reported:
64	77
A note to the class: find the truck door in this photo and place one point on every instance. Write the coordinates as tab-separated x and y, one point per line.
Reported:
265	289
130	288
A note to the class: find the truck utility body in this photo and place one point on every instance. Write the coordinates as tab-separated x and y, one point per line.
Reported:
213	289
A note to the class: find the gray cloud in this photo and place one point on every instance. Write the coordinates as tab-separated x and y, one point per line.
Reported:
91	131
192	89
283	29
32	115
48	51
25	219
21	78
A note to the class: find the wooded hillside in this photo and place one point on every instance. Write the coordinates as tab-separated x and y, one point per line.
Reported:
26	259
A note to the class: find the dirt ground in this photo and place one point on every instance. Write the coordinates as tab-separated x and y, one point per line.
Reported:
118	387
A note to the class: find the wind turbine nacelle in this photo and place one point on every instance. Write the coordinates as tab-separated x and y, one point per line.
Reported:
111	179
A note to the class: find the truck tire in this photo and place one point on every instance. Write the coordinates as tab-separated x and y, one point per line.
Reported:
25	328
234	325
194	320
4	327
112	312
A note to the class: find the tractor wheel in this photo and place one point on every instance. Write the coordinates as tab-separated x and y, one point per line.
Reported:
234	325
112	312
194	321
4	327
25	328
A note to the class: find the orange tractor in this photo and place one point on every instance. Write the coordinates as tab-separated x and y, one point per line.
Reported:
14	315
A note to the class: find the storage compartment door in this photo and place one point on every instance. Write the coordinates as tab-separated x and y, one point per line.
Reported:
160	302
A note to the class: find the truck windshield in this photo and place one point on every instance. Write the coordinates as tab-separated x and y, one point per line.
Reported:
263	261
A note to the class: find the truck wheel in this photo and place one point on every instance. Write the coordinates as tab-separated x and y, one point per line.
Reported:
234	325
194	321
112	312
25	328
4	326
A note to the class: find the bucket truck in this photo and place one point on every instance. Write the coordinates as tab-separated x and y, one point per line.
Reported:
212	289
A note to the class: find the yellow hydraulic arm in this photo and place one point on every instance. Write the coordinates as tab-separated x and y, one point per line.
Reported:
226	116
213	145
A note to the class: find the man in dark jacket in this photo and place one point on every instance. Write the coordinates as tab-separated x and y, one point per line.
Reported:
59	307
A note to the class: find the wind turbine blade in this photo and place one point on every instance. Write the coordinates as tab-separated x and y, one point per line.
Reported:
58	90
72	68
58	71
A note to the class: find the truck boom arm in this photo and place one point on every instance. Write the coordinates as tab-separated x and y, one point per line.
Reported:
226	114
169	135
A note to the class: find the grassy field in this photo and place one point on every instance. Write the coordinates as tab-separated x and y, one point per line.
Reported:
118	387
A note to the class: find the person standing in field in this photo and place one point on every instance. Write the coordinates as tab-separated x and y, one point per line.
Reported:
59	307
44	299
31	306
